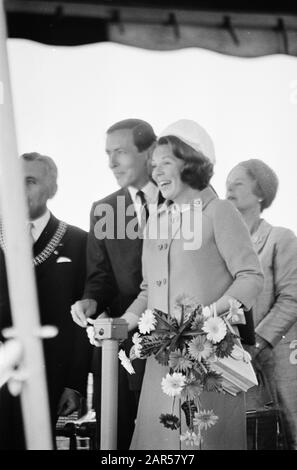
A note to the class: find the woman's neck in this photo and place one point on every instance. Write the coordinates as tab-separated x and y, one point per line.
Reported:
187	196
252	219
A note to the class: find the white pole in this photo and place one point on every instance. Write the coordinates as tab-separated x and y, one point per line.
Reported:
19	267
109	331
109	394
10	357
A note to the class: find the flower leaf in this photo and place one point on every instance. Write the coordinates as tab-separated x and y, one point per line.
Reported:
162	357
189	408
166	320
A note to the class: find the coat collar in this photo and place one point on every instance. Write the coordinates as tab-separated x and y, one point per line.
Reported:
261	234
168	216
47	233
207	195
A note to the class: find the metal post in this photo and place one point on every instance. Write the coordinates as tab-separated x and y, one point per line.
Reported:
109	397
110	331
20	272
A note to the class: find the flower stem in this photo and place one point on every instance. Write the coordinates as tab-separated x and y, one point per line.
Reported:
172	411
180	430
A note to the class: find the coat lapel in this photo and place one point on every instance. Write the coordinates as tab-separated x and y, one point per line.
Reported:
175	220
260	236
46	235
41	243
126	222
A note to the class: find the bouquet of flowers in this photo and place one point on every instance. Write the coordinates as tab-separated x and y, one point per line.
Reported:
187	342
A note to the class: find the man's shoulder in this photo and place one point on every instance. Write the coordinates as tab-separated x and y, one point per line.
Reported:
75	240
111	198
79	232
75	232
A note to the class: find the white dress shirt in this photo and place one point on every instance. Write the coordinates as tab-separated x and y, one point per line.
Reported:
38	225
151	192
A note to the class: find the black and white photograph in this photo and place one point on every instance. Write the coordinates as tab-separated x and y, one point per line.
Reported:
148	228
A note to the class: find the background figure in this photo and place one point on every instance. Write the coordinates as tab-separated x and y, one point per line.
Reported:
114	259
251	187
59	252
222	268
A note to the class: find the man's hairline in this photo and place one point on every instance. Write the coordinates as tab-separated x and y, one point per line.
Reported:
50	182
132	134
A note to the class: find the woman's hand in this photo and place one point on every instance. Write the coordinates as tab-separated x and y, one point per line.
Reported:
132	320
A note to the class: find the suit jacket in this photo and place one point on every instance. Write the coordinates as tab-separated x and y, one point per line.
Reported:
113	258
224	263
114	272
59	285
276	308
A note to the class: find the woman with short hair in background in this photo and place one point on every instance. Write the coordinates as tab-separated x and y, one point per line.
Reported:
251	187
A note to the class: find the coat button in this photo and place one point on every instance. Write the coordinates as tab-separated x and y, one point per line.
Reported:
160	247
165	246
158	283
164	281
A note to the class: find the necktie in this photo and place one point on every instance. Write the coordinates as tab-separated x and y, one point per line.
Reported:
144	214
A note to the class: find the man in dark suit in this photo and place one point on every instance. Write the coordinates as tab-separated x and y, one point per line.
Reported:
114	253
59	252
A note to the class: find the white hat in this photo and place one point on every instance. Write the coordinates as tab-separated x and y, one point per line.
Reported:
193	135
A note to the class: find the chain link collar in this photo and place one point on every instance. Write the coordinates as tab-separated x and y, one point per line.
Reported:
49	248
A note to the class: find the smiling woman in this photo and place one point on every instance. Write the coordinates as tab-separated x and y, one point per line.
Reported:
224	267
180	167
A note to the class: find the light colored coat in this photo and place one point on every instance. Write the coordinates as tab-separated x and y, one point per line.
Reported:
275	312
275	316
225	263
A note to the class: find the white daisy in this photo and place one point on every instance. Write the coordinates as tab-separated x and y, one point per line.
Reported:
205	419
206	312
125	361
190	438
236	313
147	322
200	348
136	339
215	328
173	384
132	355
